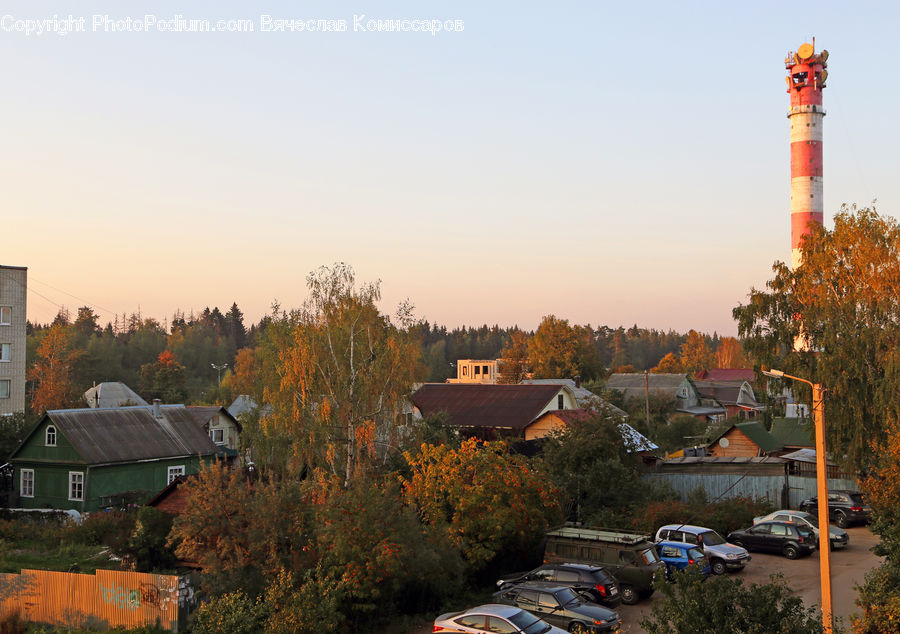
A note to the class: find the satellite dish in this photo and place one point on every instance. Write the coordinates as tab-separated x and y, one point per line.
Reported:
723	442
805	51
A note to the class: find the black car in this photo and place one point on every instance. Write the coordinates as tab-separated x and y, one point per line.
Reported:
594	582
560	606
785	538
844	508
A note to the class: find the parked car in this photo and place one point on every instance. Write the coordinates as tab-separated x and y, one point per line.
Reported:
844	508
592	582
630	557
560	606
681	556
493	618
721	554
786	538
839	537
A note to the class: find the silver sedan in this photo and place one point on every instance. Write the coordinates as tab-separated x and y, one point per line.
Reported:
493	619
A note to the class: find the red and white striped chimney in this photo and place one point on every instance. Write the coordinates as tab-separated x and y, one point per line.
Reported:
805	80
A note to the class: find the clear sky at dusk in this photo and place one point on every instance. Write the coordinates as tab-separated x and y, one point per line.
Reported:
610	163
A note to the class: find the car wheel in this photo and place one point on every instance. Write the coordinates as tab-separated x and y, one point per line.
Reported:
791	552
841	520
578	628
629	595
718	567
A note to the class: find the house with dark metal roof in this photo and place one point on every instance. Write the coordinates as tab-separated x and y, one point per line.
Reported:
89	459
744	440
727	374
736	397
793	433
677	387
491	410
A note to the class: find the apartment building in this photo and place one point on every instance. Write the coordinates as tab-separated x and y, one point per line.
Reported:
13	282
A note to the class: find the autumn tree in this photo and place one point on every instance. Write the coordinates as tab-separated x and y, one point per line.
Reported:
558	350
844	299
53	370
695	353
669	364
488	501
241	535
879	596
730	354
164	379
513	366
343	370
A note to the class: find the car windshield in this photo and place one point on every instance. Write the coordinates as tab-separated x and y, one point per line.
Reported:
695	554
566	596
649	556
857	498
810	519
528	623
711	538
804	531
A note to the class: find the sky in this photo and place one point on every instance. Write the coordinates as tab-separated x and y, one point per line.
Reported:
609	163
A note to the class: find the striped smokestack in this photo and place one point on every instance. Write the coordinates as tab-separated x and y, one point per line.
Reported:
805	80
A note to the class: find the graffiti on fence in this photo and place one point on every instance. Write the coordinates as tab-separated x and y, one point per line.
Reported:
120	597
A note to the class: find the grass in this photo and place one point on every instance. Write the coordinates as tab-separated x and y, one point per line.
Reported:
62	557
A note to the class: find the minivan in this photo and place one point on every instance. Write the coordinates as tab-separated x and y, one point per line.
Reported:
630	557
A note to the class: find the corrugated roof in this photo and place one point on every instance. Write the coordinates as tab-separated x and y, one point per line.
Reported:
758	434
126	434
477	405
793	432
728	374
585	398
112	394
634	385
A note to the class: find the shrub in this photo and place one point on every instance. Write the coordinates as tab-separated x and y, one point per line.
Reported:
234	612
111	528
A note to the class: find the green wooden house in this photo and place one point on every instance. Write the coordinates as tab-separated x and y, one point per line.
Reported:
90	459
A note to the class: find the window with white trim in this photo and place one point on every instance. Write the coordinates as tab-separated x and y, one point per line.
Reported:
174	472
50	436
4	388
5	315
26	483
218	436
76	486
5	352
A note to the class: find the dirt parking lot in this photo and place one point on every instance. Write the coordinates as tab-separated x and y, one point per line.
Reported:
848	568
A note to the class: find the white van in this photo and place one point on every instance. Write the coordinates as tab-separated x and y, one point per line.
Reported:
722	555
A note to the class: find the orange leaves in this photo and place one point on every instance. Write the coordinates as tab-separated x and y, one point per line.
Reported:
166	359
52	370
488	500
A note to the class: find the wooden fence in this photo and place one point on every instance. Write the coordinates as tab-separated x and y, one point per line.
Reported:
106	599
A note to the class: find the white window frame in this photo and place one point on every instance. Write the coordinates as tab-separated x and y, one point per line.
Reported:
217	431
7	384
7	320
174	472
50	435
76	478
5	352
26	492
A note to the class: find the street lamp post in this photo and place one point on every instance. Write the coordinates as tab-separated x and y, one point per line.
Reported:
219	369
818	406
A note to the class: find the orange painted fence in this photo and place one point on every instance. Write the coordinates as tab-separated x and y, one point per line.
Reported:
108	598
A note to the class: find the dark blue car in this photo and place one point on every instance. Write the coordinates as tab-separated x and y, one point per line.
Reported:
678	556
